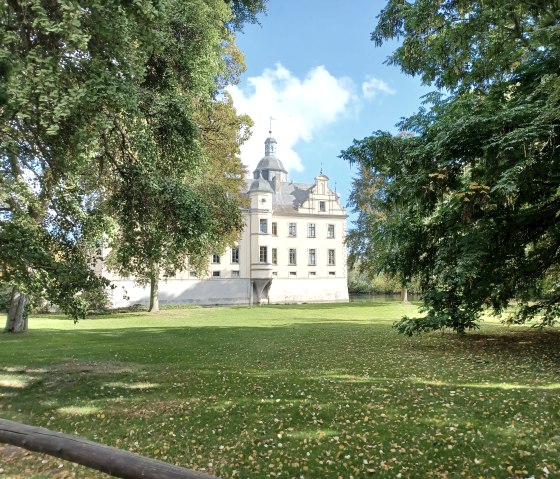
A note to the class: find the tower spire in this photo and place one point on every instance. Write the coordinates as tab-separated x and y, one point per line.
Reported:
270	143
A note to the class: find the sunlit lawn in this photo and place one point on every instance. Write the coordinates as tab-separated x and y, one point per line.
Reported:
313	391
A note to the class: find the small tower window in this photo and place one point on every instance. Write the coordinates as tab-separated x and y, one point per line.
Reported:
263	226
263	254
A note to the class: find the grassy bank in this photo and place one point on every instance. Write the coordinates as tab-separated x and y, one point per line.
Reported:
319	391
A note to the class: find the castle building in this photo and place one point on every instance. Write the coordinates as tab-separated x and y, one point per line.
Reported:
291	250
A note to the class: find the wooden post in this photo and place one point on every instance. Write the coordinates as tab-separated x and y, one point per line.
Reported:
113	461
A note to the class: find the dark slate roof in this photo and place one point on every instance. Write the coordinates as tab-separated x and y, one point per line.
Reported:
288	199
270	162
260	184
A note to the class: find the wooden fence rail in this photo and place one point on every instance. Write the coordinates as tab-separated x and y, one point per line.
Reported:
111	460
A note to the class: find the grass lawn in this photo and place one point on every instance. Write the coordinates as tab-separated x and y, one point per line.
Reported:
312	391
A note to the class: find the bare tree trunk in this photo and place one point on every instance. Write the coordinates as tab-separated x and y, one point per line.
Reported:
16	321
404	295
154	290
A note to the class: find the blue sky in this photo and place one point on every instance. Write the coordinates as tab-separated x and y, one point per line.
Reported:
312	66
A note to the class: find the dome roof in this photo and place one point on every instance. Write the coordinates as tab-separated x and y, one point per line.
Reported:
270	163
270	166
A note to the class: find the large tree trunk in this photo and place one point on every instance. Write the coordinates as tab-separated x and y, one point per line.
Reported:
17	314
404	295
154	290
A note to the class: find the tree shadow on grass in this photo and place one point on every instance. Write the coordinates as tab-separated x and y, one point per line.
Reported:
243	376
520	342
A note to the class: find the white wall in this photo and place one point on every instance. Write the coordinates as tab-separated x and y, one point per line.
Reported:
234	291
303	290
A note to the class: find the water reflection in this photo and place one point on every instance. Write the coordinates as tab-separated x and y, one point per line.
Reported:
381	298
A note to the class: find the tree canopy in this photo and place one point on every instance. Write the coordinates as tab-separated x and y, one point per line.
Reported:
174	222
98	105
476	174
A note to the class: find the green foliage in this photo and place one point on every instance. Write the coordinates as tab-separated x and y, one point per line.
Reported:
5	296
477	175
245	11
97	100
324	391
173	222
360	282
464	44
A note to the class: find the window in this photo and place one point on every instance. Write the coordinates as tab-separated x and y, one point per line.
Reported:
235	254
274	256
322	206
332	273
215	258
312	274
331	257
311	230
293	274
312	257
292	256
235	274
263	254
215	274
263	226
330	231
275	229
292	230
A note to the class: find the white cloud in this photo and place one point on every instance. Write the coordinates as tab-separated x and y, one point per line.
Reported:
373	86
299	108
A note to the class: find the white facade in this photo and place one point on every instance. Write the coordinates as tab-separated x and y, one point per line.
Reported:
291	250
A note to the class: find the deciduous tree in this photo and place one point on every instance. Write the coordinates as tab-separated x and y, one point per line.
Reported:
176	223
98	102
479	178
